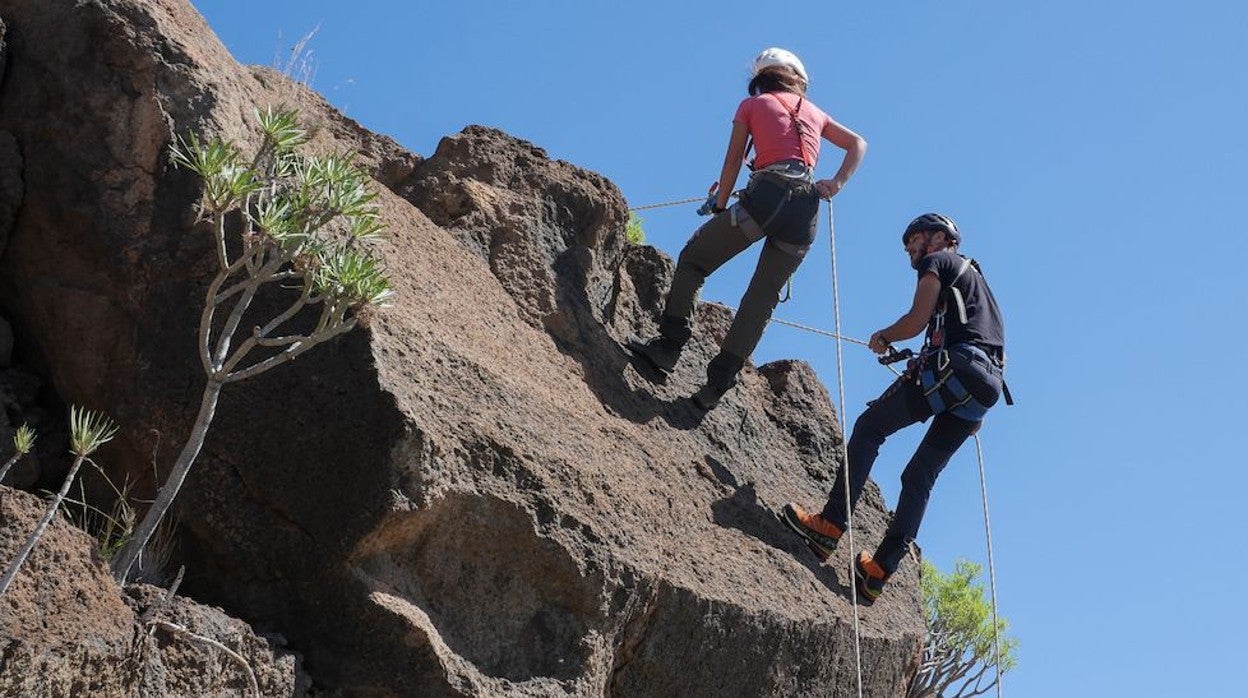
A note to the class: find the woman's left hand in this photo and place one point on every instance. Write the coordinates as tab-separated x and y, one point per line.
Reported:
828	188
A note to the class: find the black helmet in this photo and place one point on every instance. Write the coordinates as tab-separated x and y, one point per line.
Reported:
931	222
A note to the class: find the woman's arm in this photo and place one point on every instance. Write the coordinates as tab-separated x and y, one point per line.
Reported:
853	145
732	162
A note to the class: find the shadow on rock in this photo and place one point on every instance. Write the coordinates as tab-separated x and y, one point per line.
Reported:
644	369
682	414
742	511
578	333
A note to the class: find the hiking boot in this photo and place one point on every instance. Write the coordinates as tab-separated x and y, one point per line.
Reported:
709	395
821	535
660	353
721	375
870	576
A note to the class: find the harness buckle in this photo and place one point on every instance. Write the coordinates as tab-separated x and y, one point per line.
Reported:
893	356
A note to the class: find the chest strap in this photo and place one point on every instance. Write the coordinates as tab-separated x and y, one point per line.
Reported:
798	125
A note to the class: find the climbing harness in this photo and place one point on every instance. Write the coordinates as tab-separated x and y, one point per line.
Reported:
945	392
936	373
840	415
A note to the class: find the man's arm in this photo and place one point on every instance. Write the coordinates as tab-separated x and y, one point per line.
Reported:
913	322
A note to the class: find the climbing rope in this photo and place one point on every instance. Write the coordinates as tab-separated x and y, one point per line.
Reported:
694	200
840	383
816	330
992	572
825	333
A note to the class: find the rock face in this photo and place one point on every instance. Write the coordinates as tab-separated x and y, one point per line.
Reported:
478	495
67	631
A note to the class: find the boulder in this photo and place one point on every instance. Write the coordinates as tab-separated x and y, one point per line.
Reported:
10	197
478	494
10	170
6	343
66	629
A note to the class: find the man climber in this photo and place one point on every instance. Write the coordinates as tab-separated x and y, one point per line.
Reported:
956	378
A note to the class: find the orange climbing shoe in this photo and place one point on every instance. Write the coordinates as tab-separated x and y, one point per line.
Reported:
820	534
871	578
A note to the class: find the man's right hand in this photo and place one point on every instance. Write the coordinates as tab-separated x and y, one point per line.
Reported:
877	343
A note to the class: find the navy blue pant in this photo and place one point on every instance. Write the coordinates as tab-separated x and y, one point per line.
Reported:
902	405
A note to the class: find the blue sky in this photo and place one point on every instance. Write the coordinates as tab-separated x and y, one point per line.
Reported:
1092	154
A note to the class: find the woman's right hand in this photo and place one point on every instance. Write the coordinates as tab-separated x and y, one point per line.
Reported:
828	188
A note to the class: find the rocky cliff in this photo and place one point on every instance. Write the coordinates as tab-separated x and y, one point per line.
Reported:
477	494
67	631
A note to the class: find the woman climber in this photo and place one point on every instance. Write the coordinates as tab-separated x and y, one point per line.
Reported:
780	203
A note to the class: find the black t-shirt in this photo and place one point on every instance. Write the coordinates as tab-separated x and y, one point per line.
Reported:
983	326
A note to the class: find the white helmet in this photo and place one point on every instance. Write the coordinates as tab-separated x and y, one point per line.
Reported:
778	56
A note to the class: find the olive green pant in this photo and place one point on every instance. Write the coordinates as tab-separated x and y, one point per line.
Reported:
720	239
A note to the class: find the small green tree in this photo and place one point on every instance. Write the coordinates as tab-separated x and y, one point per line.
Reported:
87	432
634	233
305	220
23	442
959	654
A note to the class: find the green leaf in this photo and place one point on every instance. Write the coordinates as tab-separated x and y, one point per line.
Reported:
88	430
227	179
367	226
958	605
281	128
24	439
354	276
634	233
278	218
205	159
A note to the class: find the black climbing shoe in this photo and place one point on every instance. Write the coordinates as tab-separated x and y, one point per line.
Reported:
709	395
721	375
660	353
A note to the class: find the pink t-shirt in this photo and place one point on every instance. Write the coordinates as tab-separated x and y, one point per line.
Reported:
769	122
